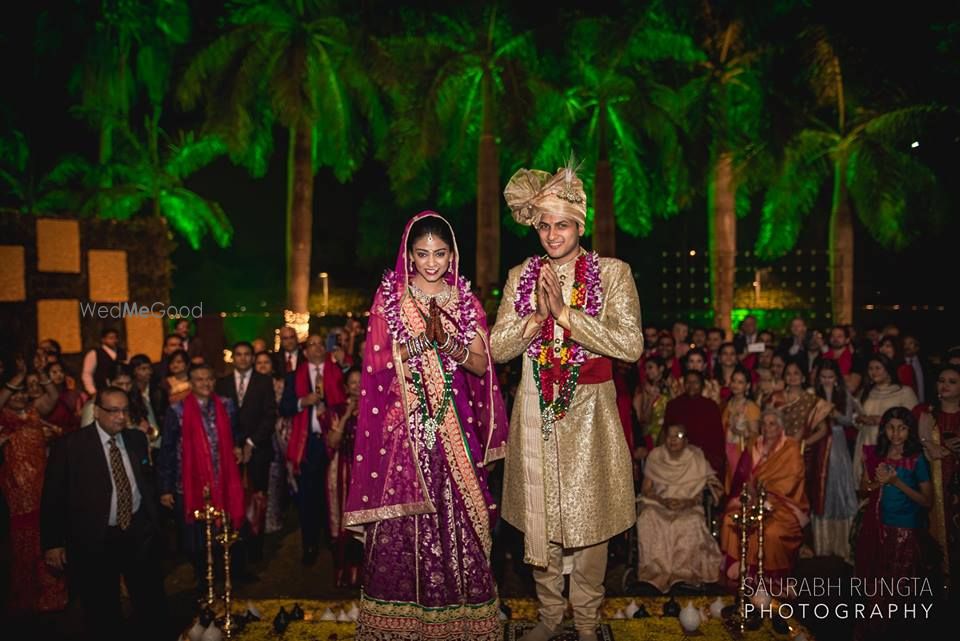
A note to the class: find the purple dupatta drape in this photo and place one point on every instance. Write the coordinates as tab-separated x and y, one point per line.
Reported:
386	480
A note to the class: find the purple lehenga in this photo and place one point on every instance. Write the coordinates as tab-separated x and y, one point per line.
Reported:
418	481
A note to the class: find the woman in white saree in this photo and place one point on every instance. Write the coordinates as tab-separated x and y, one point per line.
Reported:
675	544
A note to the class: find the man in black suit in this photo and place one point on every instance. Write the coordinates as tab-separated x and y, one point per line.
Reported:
253	426
791	346
98	519
305	399
747	335
290	355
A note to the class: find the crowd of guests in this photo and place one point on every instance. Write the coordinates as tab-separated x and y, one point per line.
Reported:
854	438
96	468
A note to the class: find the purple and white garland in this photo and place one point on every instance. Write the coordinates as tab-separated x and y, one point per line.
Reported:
467	317
524	306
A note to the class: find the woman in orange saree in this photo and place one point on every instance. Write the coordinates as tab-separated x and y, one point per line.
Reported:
775	461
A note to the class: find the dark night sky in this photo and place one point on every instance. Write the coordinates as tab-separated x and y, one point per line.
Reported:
890	51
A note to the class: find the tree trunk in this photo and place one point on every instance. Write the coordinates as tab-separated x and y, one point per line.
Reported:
841	250
299	218
723	241
604	222
488	200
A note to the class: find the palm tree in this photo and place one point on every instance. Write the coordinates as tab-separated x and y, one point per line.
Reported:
143	179
131	52
866	155
615	108
295	62
131	48
724	103
457	84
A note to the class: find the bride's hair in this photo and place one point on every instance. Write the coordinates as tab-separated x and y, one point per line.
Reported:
430	225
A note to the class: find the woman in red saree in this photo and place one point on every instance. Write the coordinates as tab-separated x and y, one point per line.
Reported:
23	459
775	461
66	413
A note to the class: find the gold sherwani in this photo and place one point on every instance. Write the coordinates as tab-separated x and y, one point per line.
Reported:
576	488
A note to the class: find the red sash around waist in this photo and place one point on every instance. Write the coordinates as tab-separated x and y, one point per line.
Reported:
594	371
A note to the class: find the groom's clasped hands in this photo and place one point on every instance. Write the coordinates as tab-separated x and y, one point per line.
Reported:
549	295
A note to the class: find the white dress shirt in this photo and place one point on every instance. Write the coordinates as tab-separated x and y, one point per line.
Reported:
134	490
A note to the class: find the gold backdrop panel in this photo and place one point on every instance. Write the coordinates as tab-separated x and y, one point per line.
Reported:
145	335
58	245
108	276
59	319
13	282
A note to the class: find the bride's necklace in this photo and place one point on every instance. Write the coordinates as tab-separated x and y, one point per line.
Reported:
442	297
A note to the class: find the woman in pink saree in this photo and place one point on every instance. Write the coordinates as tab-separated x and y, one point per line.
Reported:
430	418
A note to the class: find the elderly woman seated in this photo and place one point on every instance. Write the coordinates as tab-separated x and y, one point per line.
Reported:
775	461
675	544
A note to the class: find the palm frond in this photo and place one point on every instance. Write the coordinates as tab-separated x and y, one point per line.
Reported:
193	217
192	154
823	69
209	65
116	203
900	125
806	168
632	191
883	182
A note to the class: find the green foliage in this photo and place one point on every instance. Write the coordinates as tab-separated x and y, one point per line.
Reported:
806	168
869	152
136	184
433	77
611	101
293	62
131	47
14	176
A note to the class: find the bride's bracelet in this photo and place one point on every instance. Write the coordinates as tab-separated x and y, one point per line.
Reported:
446	343
451	346
464	358
416	345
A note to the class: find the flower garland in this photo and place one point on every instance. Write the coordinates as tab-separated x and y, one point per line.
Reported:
467	318
564	371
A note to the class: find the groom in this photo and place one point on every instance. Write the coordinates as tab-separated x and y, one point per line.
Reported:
568	479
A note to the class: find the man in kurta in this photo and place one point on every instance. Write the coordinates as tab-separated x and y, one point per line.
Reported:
568	480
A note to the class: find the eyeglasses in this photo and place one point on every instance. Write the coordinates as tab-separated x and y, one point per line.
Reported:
114	411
